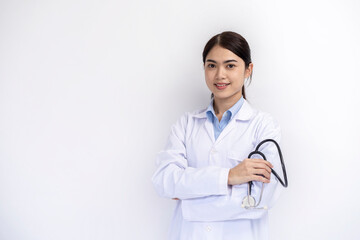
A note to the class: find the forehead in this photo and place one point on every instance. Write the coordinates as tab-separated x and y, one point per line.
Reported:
219	53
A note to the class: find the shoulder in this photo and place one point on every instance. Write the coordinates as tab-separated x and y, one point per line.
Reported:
265	118
266	124
187	117
256	115
187	120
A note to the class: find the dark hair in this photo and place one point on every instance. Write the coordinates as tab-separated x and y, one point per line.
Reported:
233	42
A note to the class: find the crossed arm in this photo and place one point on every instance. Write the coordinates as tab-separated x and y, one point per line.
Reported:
215	193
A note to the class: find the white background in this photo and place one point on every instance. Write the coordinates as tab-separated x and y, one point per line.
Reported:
89	90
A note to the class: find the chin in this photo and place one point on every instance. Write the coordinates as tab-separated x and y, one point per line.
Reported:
226	95
222	96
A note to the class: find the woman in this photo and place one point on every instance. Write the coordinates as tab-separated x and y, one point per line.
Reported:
204	165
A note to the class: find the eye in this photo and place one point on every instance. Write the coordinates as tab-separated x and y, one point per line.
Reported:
231	66
211	65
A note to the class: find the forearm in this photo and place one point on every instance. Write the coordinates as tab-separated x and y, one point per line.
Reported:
173	181
229	207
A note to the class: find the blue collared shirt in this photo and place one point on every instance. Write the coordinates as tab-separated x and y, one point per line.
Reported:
227	116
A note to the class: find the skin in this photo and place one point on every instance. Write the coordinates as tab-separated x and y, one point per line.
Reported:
223	66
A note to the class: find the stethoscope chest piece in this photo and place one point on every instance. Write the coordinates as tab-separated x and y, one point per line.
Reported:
248	202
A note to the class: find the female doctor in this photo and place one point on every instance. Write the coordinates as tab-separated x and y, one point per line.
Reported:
204	165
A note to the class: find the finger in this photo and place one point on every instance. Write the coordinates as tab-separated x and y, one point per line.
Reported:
262	166
260	179
250	166
262	172
256	160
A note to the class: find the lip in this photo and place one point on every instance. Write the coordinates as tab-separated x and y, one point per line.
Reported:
222	87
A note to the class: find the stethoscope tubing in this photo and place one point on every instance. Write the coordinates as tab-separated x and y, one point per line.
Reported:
256	151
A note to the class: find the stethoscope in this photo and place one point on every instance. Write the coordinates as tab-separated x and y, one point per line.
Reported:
249	201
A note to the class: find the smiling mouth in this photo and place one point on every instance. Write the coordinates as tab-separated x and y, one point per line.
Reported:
221	84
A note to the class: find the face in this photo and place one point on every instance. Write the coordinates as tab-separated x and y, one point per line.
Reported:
225	74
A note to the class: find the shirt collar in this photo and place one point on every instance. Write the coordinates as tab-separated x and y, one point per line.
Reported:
244	113
210	113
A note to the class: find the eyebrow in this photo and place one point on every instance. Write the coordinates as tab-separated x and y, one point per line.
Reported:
227	61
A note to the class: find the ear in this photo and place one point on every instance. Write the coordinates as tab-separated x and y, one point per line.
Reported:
249	70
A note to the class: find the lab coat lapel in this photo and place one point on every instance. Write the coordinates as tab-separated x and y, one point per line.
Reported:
226	130
239	121
209	127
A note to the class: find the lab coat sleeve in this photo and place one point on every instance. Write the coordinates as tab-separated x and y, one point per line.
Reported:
173	177
228	207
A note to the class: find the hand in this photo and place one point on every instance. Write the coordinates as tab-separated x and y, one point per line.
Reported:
250	170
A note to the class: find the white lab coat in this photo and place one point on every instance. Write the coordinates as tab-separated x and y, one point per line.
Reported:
194	167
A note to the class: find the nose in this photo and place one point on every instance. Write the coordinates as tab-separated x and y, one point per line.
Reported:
220	73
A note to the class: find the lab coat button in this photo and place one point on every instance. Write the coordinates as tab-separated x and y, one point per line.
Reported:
213	151
208	228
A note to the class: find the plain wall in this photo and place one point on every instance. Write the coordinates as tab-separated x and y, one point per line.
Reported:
89	90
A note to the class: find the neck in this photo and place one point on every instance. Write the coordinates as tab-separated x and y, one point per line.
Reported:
221	105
